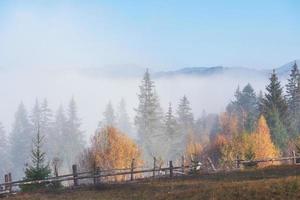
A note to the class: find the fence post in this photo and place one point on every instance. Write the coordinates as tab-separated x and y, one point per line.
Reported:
294	158
75	175
211	164
171	168
131	170
95	174
238	162
6	182
182	164
154	166
9	180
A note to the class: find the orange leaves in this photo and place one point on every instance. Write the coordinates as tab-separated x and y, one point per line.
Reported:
193	147
262	144
113	149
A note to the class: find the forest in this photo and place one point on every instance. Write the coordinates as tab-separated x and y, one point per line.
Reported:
255	125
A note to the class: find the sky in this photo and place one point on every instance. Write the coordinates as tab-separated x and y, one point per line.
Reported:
161	35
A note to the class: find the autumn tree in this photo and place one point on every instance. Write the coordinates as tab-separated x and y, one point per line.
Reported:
193	147
111	149
261	141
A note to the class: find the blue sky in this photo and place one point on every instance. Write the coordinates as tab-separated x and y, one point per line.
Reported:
157	34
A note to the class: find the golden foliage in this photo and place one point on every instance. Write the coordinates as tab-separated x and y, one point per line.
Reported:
229	125
261	142
193	148
113	149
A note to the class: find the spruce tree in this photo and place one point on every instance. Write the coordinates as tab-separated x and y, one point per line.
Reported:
148	119
275	110
4	155
73	137
123	121
245	106
37	170
46	127
20	141
274	98
59	134
185	116
293	101
172	134
109	116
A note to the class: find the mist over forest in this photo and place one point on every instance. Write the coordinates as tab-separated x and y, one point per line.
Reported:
97	87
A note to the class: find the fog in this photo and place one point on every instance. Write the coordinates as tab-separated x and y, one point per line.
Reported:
93	91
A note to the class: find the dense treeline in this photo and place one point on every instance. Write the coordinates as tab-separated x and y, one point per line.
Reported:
254	125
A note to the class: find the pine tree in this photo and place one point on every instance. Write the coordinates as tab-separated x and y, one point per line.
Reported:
73	137
59	134
275	110
109	116
278	130
172	135
245	106
123	121
274	98
185	116
46	128
36	116
20	140
148	119
293	101
4	156
37	170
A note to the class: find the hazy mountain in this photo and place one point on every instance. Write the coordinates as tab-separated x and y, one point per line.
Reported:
282	71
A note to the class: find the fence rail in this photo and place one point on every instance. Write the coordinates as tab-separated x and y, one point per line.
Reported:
97	174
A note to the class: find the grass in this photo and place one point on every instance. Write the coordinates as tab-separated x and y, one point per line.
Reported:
270	183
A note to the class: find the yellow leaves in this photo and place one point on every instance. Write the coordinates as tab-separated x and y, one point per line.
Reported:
113	149
253	146
262	144
193	147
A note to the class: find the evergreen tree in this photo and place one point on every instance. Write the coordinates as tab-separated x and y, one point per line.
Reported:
185	120
172	135
109	116
36	116
37	170
4	156
275	110
245	106
148	119
185	117
293	101
274	99
20	140
46	128
59	133
73	137
123	121
278	130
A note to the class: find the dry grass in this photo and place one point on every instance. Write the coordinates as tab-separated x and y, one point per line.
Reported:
270	183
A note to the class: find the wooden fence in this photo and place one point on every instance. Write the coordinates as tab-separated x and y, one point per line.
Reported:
98	175
295	160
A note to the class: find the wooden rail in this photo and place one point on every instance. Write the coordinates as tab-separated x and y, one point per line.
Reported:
96	175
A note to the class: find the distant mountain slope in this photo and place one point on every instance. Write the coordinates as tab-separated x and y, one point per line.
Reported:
282	71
